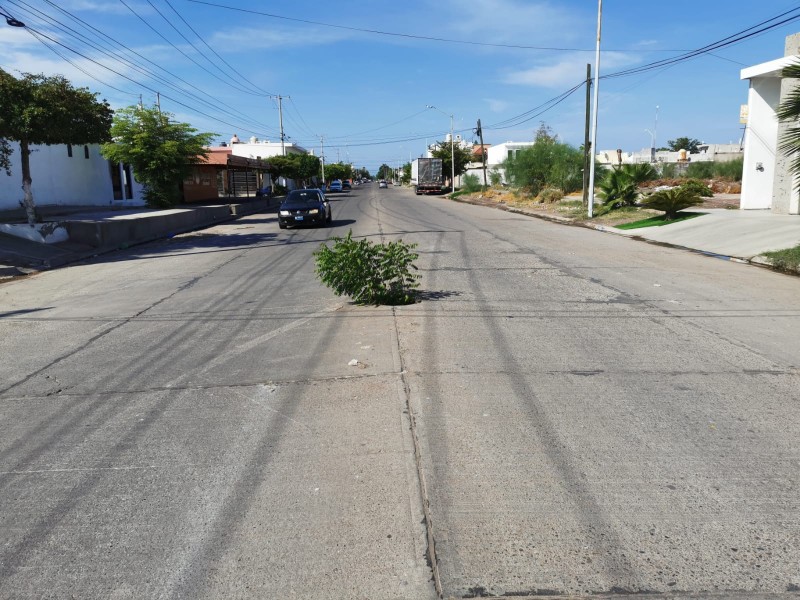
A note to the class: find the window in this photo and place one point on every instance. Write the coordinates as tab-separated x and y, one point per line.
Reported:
69	150
86	151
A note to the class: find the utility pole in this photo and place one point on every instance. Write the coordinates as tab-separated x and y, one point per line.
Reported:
322	158
594	106
587	142
483	153
158	102
280	121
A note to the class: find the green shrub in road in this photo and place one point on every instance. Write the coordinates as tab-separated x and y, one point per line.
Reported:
367	272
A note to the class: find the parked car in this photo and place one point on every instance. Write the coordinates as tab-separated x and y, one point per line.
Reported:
304	207
346	185
336	185
382	184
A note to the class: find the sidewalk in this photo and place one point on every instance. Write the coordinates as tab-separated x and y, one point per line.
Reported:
740	234
95	230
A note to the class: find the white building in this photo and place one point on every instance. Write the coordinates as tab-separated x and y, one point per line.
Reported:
767	182
70	175
255	148
496	154
706	153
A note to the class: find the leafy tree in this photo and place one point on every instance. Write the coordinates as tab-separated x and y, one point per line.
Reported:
338	171
470	183
160	151
406	178
672	201
545	133
700	170
301	167
789	112
548	163
463	158
36	109
698	188
384	171
684	143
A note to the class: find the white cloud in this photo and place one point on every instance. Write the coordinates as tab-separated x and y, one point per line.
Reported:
108	6
515	22
496	105
246	39
567	71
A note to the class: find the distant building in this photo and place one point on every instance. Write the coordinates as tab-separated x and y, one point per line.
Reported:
767	182
706	153
495	155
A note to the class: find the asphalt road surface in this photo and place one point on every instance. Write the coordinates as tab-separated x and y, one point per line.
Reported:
563	413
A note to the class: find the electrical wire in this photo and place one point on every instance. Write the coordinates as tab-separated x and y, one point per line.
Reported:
117	57
175	100
201	67
402	35
227	64
196	49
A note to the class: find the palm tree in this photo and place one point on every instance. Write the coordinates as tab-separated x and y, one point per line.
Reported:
620	185
789	111
672	201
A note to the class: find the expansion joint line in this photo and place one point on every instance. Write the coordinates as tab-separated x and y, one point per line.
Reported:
433	560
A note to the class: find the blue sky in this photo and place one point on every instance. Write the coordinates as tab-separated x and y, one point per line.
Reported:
366	92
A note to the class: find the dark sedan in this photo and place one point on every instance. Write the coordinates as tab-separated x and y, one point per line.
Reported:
304	207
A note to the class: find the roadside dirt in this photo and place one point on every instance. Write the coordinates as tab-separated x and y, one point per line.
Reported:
570	208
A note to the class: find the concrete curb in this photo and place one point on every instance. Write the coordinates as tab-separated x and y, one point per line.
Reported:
105	236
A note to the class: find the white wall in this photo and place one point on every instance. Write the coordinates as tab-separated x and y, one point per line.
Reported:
264	149
58	179
761	140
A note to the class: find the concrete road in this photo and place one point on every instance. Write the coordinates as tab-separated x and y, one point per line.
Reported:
591	415
180	421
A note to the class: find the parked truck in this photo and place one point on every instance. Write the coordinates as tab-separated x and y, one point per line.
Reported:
426	175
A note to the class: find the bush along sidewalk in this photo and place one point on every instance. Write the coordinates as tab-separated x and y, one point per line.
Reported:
367	272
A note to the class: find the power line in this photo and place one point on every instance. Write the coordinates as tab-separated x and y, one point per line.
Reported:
404	35
227	64
176	101
119	58
159	34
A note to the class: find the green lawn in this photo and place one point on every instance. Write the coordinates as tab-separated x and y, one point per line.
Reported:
658	221
785	260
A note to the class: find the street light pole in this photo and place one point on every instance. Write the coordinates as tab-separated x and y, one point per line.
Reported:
594	109
652	145
452	150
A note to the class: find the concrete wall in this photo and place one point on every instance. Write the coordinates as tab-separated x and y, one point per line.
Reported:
58	179
761	139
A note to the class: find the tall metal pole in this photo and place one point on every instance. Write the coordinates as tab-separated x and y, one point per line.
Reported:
483	153
280	121
452	155
594	108
322	158
587	141
655	132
